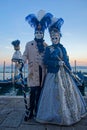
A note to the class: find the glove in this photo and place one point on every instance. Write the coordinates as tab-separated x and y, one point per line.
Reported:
61	63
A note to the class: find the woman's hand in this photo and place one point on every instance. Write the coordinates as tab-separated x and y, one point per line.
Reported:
61	63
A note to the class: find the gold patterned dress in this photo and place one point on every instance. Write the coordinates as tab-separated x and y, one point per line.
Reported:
61	101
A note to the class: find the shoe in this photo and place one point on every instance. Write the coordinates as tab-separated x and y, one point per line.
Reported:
30	116
26	118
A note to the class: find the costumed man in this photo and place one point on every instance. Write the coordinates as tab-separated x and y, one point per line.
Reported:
33	53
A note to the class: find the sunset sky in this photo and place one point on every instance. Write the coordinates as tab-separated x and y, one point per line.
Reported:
74	30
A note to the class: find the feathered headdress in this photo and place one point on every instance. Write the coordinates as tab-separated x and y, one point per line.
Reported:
15	43
41	21
56	25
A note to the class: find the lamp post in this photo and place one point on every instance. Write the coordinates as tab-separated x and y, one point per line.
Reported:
17	59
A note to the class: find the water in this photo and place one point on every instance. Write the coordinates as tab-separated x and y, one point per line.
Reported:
13	90
9	73
80	68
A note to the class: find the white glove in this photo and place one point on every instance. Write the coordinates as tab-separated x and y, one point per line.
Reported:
61	63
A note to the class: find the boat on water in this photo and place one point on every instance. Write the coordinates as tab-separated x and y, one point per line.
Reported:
10	81
82	82
4	83
17	83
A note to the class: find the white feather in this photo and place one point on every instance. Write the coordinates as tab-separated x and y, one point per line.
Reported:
40	14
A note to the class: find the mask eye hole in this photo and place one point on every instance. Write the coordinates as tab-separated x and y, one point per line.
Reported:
52	38
36	32
55	38
41	32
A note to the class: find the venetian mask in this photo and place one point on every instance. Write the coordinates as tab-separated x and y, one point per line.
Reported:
55	38
39	34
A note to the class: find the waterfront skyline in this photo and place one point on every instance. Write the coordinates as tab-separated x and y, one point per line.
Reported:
13	26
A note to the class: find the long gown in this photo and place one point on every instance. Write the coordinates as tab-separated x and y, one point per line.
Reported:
61	101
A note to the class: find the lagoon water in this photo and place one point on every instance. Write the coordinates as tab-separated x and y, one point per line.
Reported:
8	71
12	90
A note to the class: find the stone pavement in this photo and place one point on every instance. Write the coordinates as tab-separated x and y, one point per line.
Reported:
12	113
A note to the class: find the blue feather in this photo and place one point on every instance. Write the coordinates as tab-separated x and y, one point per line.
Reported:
44	22
59	23
32	20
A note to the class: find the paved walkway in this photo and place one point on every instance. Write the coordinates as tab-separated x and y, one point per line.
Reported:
12	112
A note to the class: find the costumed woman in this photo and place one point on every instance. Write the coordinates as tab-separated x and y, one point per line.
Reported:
34	51
61	101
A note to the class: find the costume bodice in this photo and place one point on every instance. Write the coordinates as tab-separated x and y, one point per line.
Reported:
53	54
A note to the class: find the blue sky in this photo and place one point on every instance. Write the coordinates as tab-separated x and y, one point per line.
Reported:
74	30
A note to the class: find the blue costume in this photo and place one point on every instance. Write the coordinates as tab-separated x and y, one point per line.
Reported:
61	101
51	57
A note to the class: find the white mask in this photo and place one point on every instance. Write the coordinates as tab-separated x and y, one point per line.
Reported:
39	34
55	38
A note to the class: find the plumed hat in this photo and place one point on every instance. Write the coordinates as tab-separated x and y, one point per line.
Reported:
55	25
16	43
41	21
